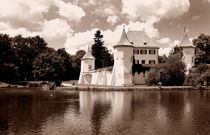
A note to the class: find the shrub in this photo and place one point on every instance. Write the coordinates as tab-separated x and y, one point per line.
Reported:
169	74
193	79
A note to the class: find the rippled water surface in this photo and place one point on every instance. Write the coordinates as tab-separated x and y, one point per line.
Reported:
26	112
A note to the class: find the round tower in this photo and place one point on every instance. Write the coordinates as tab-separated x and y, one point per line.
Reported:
123	59
188	51
87	64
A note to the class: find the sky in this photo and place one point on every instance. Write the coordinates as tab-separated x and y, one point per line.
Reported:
71	24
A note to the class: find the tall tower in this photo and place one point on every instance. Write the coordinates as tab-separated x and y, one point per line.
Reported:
123	57
188	51
87	64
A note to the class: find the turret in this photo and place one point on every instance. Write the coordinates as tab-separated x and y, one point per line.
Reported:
87	64
123	57
188	51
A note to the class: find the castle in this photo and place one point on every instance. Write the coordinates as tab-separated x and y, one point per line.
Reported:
134	47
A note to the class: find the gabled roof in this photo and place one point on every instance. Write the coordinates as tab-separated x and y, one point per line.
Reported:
88	55
124	39
185	42
140	39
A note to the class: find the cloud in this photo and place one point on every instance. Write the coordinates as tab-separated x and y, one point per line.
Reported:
19	31
79	40
55	32
164	40
70	11
164	51
112	19
141	9
147	26
56	28
74	42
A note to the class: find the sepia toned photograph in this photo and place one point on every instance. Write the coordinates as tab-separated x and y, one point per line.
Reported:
104	67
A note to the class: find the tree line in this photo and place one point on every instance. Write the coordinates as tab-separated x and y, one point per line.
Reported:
29	58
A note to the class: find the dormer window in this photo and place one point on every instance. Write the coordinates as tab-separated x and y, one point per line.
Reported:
145	43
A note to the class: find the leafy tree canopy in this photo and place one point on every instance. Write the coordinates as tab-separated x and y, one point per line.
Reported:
202	43
170	73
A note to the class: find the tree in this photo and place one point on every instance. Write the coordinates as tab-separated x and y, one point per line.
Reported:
48	66
8	67
202	43
162	59
176	50
201	68
101	54
194	79
66	58
170	73
206	77
26	50
76	63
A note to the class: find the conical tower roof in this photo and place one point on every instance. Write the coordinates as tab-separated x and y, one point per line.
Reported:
88	55
185	42
124	39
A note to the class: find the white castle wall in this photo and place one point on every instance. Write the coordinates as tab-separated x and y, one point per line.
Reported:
101	77
189	57
122	71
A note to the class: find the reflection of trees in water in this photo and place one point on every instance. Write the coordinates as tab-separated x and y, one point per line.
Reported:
26	111
100	111
174	103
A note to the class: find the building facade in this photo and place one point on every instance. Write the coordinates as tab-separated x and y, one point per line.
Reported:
133	47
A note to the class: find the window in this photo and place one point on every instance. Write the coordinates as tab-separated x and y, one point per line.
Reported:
143	51
145	43
137	61
152	52
136	51
142	61
151	61
89	67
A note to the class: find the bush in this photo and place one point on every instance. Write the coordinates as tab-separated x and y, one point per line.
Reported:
194	79
201	68
206	77
170	73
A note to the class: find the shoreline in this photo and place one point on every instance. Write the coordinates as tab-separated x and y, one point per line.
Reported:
110	88
131	88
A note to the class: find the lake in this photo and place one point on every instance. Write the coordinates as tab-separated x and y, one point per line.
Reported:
37	112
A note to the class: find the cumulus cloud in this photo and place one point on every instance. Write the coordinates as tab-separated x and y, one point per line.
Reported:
70	11
56	28
74	42
112	19
147	27
29	13
155	8
79	40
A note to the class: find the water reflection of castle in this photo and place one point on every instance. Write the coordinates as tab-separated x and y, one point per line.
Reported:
111	111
